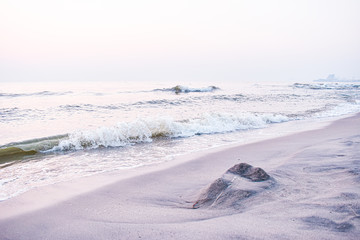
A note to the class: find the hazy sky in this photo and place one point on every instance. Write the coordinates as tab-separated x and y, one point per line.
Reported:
179	40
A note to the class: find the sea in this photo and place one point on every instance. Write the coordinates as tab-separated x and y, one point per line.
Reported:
52	132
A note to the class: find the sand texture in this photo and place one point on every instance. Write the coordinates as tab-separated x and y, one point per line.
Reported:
312	191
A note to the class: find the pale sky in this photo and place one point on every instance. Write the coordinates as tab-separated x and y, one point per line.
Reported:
243	40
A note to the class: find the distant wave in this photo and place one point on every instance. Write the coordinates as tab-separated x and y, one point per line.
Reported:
233	97
177	89
323	86
43	93
183	89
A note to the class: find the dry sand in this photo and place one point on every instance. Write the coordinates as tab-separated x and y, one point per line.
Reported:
315	194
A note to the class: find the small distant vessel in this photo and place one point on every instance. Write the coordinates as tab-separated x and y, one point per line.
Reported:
332	78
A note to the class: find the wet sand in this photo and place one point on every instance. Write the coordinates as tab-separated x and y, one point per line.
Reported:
315	194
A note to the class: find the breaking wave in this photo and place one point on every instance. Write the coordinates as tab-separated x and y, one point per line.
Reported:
141	131
183	89
16	150
145	130
43	93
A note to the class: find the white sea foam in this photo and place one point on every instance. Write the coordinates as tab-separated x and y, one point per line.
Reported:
339	110
188	89
144	130
327	86
185	89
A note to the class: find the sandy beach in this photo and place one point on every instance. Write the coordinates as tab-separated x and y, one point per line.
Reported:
179	120
313	193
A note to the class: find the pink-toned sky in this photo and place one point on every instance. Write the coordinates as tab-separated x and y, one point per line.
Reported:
238	40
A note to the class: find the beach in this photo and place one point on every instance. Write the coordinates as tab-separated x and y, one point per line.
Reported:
179	120
314	194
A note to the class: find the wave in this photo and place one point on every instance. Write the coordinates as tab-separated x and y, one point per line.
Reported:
9	153
328	86
140	131
183	89
145	130
43	93
39	144
17	150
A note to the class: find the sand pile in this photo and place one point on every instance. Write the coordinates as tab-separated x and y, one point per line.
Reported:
239	182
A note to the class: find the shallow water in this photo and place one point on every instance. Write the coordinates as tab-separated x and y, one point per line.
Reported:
84	128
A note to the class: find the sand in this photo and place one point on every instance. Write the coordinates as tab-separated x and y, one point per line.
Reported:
315	195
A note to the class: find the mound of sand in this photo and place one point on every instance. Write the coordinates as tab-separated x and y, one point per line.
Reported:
239	182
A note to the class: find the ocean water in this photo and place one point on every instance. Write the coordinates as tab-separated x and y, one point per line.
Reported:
53	132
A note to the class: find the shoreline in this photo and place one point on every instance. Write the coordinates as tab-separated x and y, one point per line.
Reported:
80	185
162	194
106	177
